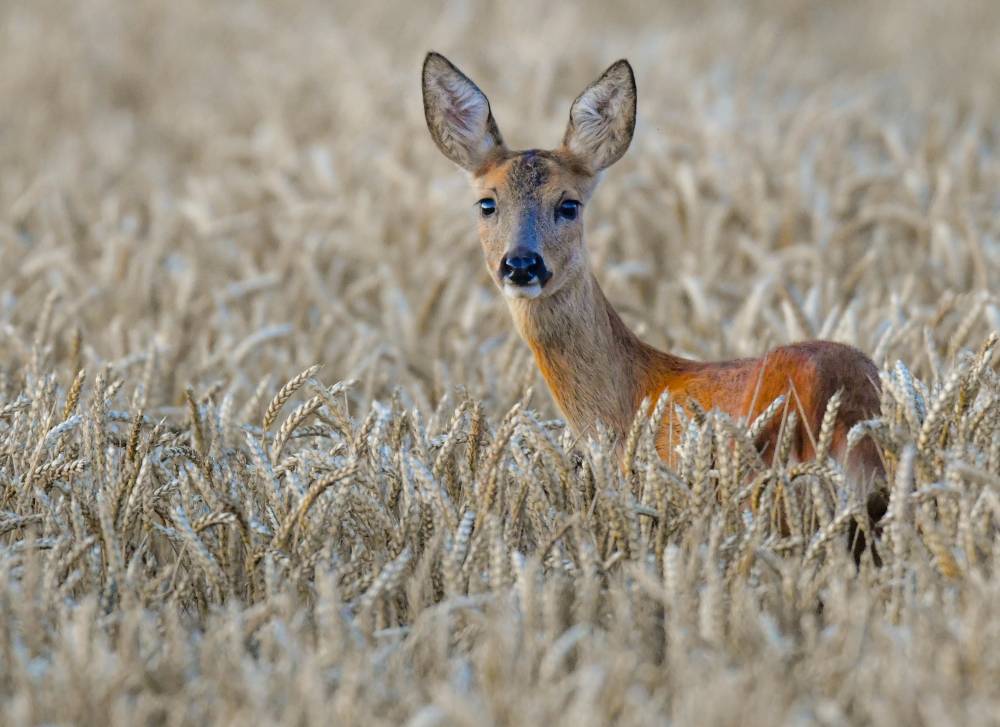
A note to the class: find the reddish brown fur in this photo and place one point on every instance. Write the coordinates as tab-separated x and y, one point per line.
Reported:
806	374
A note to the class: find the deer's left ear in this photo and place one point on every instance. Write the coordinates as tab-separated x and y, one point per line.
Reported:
602	119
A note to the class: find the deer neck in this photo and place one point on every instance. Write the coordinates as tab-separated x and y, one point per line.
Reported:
595	367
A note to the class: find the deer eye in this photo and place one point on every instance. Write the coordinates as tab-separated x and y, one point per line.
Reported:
487	206
568	209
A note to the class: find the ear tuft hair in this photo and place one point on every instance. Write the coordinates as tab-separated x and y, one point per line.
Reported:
602	118
458	114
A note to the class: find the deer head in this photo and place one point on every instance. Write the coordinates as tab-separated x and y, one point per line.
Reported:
531	202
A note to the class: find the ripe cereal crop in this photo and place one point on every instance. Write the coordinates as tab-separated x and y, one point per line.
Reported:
271	450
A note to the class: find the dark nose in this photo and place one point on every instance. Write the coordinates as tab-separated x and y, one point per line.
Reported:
523	268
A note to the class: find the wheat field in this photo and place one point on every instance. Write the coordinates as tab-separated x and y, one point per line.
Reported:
271	452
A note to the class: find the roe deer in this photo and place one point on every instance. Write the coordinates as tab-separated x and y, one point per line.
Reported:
531	229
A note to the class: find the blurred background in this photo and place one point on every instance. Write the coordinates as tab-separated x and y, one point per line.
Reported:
237	190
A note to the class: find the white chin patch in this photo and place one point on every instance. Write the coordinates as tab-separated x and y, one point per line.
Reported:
526	292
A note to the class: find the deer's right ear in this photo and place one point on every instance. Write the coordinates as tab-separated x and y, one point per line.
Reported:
458	114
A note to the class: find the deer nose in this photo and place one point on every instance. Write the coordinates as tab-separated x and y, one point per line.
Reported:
523	268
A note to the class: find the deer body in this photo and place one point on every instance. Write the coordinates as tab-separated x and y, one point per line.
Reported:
595	367
598	370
